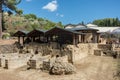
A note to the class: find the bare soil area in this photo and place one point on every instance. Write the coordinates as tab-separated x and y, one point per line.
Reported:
89	68
7	41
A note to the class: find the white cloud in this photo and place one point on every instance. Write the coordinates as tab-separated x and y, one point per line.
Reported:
59	15
51	6
28	0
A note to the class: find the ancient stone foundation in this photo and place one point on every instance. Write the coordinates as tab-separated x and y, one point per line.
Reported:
13	61
73	52
107	50
46	52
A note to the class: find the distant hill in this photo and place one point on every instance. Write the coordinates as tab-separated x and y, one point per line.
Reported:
12	23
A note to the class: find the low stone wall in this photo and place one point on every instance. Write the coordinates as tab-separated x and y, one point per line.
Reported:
15	60
9	55
15	63
107	50
105	46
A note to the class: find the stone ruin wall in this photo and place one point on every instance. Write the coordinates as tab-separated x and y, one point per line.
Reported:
70	53
81	50
8	49
73	52
13	60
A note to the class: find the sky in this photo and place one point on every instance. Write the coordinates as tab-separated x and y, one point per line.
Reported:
72	11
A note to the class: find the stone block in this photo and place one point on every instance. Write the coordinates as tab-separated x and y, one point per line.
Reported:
97	52
46	65
105	46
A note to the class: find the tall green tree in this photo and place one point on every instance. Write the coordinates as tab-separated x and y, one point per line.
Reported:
10	4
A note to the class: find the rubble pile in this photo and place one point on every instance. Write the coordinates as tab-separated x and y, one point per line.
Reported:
60	67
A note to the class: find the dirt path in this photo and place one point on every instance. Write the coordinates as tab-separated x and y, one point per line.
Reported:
90	68
98	68
9	75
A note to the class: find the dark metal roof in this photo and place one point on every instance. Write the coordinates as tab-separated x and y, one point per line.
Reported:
25	32
21	33
36	32
54	30
62	29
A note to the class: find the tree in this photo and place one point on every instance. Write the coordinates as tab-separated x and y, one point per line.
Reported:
117	21
9	12
19	12
59	24
10	4
1	18
82	23
107	22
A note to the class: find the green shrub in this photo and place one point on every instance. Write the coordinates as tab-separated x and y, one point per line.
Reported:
6	36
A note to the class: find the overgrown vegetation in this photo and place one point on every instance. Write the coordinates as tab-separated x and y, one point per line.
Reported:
12	23
6	36
107	22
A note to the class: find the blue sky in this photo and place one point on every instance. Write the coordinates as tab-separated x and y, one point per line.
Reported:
72	11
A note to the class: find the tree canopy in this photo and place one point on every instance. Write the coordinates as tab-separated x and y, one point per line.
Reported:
11	4
107	22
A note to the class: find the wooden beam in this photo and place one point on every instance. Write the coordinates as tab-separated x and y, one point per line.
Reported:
23	39
19	39
73	39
